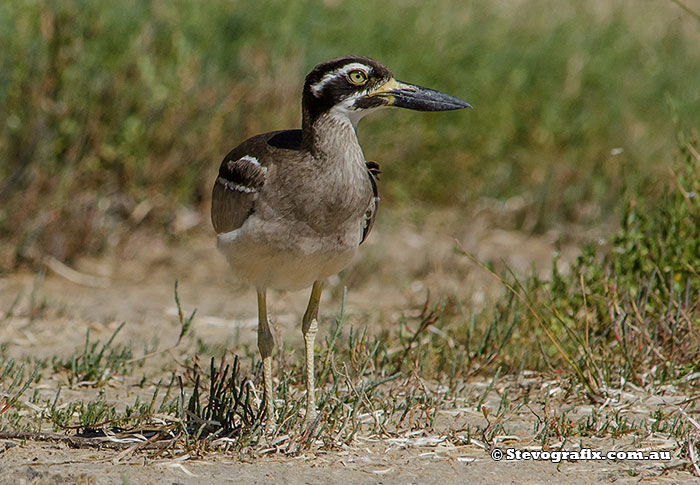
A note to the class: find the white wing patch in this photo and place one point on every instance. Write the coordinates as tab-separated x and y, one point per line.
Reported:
253	160
235	187
242	167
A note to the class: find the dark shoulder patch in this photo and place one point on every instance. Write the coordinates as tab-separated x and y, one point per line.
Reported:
288	140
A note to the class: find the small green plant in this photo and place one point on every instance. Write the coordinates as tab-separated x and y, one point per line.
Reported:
96	364
14	381
230	409
185	323
96	413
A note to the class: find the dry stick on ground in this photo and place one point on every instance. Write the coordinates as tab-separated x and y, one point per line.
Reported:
141	445
73	275
80	442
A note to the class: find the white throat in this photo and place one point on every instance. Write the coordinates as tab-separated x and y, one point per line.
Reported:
345	111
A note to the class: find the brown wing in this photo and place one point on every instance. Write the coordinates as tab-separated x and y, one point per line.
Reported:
242	175
373	172
235	191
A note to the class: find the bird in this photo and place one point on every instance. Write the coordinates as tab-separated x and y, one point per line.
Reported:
290	208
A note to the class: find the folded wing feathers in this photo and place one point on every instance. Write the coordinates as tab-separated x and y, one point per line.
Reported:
235	192
373	172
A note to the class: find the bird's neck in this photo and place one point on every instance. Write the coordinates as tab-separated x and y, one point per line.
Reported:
332	135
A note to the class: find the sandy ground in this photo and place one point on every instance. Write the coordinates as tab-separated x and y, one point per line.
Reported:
401	261
53	464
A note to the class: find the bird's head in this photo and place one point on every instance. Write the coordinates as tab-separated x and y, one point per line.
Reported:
351	87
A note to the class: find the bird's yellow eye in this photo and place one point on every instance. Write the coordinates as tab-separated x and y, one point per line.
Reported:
357	77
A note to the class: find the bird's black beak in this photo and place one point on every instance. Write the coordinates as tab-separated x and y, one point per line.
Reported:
405	95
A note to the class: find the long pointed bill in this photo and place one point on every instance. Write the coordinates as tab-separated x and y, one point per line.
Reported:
405	95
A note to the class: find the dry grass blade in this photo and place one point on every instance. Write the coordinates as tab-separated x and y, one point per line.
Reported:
74	276
687	9
185	325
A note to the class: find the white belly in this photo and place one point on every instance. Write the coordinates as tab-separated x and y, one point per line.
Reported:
274	254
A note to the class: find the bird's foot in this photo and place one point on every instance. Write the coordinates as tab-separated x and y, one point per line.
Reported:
270	429
310	418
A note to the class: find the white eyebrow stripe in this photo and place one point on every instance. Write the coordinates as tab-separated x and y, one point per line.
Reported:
317	87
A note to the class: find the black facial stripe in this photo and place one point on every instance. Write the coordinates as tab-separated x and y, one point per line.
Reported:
366	102
333	92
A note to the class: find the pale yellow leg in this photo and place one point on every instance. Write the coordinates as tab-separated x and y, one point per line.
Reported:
309	328
266	344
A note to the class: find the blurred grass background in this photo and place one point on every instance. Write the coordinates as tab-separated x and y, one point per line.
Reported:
115	114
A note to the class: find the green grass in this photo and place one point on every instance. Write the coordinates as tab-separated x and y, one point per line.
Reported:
105	105
631	312
96	364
